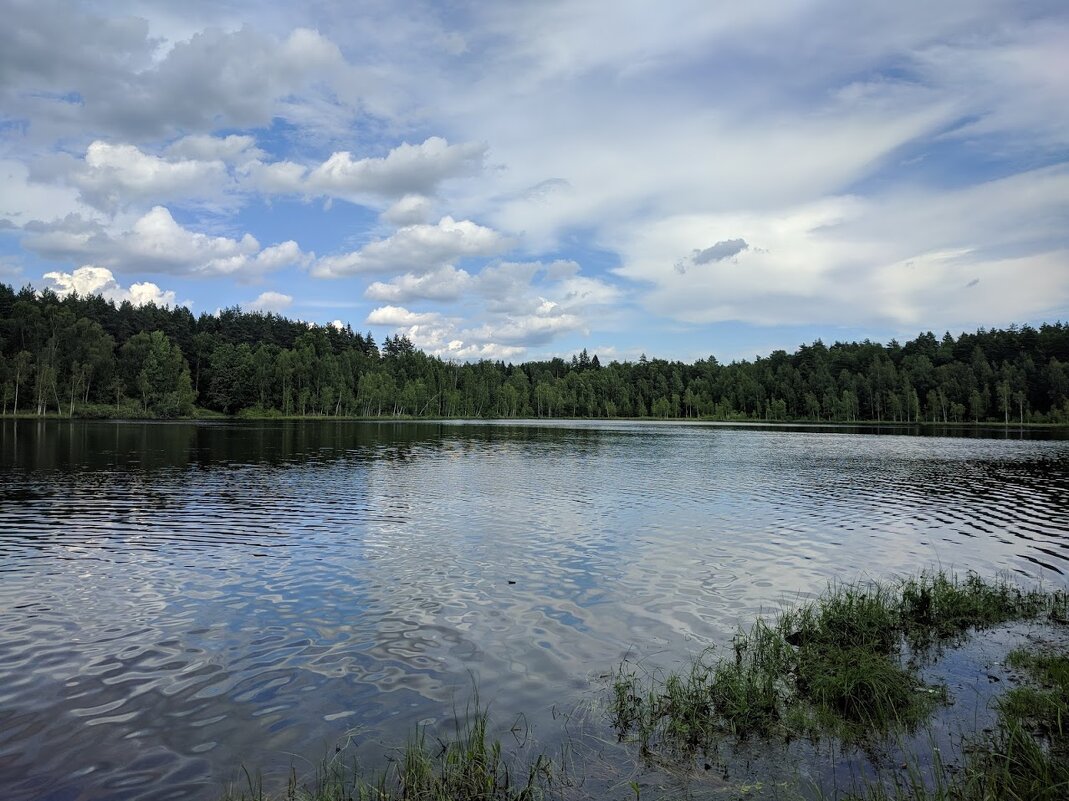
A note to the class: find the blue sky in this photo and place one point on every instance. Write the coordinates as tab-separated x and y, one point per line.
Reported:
521	180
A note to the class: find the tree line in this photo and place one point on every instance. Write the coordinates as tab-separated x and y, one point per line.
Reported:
86	356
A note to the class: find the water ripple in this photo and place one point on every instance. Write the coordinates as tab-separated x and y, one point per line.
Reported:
180	599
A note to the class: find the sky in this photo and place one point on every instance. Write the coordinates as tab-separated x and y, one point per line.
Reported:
522	180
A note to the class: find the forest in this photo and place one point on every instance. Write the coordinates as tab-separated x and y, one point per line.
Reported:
84	356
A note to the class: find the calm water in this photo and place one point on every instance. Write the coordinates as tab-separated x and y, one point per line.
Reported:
176	599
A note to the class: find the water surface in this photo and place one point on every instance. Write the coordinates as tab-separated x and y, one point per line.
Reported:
177	598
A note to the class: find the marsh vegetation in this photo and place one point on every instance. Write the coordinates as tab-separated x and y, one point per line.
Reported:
844	666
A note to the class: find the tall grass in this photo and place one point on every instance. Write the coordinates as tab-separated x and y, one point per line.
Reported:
833	665
468	767
1025	759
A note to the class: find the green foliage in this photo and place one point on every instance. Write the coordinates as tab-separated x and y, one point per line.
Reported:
1011	764
155	372
467	767
1045	707
832	665
941	605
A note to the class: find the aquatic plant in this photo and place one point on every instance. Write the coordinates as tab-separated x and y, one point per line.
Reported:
1025	759
468	767
832	665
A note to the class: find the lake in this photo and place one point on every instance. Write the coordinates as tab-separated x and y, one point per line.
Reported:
179	599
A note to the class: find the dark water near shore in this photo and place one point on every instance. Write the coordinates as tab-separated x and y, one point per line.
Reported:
176	599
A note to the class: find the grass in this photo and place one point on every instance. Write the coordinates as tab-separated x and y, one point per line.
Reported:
833	665
843	665
468	767
1045	707
1025	759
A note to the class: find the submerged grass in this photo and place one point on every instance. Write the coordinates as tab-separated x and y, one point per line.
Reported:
834	665
1025	759
468	767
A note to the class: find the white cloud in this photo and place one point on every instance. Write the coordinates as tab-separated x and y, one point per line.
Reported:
445	284
276	302
113	176
92	280
416	249
661	139
127	84
408	172
399	316
409	210
201	147
157	243
902	259
547	322
407	169
523	305
22	199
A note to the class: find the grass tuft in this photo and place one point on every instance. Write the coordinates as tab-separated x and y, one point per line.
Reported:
469	767
833	665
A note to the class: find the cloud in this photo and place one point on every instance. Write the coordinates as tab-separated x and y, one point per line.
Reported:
833	173
113	176
229	149
399	316
518	305
724	249
409	173
547	322
22	199
445	284
507	337
409	210
73	71
417	249
276	302
157	243
92	280
407	169
900	259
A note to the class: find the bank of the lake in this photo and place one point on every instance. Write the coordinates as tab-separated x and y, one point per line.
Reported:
927	427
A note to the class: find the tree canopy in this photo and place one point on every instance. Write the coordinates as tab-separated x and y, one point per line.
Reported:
83	355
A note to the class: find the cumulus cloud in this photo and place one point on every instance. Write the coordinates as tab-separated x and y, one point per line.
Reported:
399	316
445	284
517	305
23	199
417	249
407	169
276	302
408	210
113	176
791	194
72	70
408	172
92	280
157	243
